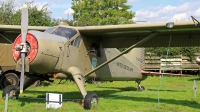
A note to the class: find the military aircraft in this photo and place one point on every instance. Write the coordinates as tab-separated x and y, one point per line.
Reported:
89	52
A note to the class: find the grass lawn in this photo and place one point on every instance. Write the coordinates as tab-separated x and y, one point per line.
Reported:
176	95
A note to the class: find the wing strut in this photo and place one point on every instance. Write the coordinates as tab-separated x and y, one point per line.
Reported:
6	38
196	22
128	49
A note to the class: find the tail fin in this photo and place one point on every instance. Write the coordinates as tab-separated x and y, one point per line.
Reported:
136	56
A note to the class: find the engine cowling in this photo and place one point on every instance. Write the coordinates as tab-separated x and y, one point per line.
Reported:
198	60
43	51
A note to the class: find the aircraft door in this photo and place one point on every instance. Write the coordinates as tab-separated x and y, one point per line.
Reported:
94	53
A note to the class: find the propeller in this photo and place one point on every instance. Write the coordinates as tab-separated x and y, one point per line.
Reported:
24	29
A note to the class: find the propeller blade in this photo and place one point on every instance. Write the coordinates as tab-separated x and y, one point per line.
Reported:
24	29
24	23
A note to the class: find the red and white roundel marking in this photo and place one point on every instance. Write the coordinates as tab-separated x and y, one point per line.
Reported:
198	60
32	41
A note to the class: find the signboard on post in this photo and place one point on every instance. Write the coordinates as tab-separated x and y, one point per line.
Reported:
53	100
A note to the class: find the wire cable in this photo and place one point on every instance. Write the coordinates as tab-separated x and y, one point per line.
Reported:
163	71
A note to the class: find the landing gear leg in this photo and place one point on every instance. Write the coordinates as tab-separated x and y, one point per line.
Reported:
90	99
80	83
28	82
140	88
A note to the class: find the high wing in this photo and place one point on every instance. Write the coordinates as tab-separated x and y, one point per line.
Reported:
8	33
122	36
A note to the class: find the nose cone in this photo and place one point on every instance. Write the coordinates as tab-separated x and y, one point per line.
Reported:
198	60
32	48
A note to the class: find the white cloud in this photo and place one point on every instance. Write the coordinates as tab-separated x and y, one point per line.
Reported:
19	3
197	13
167	10
169	13
69	11
181	17
187	6
146	14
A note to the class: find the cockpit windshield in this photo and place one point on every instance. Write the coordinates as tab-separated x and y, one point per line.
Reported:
62	31
50	30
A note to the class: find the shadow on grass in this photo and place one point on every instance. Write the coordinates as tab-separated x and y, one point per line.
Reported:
167	90
192	104
197	79
122	88
77	97
135	89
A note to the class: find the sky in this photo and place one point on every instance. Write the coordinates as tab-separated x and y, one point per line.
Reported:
146	10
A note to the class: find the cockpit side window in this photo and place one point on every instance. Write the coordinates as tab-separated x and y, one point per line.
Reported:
76	42
94	50
50	30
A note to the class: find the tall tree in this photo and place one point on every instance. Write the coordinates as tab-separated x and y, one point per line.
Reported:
174	51
101	12
11	15
37	17
6	12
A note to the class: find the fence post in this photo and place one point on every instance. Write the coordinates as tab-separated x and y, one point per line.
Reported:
195	89
6	103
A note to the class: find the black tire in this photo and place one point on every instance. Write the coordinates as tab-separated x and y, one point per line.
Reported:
12	91
9	79
141	88
91	99
36	83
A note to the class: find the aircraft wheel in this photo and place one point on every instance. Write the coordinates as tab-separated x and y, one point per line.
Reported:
36	83
9	79
91	99
12	92
141	88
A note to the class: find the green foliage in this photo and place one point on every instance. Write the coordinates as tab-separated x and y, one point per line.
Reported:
37	17
174	51
6	12
101	12
10	15
121	49
176	95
